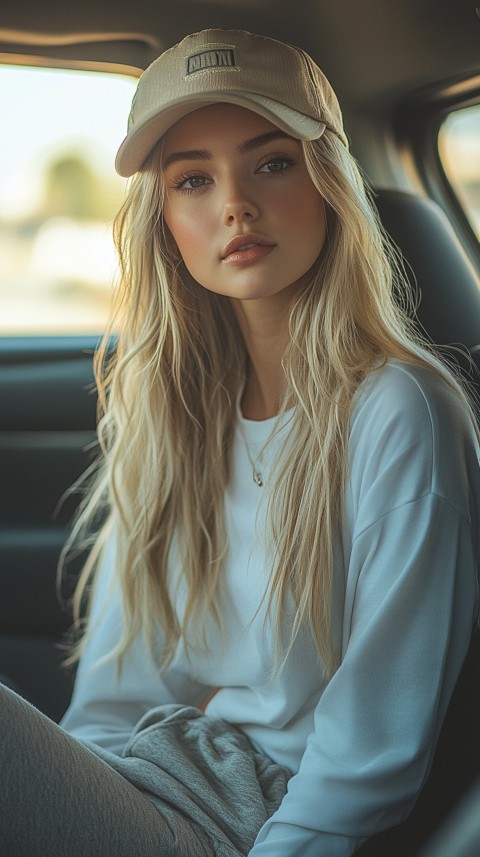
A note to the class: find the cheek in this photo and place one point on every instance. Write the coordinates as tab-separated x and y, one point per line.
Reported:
188	231
307	218
193	233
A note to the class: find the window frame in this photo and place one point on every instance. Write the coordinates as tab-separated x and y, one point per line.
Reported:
417	128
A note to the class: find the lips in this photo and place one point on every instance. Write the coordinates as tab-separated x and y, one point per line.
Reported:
245	245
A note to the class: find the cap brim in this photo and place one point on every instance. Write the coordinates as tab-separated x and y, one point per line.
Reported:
140	141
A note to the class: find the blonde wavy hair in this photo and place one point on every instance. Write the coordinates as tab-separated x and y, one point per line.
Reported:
167	412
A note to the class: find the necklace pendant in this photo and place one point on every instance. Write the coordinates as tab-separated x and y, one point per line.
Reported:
257	478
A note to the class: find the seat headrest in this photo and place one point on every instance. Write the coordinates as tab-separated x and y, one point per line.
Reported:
449	309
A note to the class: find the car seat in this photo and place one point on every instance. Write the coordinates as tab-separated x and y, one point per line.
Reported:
437	265
449	313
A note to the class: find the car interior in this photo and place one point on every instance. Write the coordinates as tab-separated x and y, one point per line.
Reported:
400	69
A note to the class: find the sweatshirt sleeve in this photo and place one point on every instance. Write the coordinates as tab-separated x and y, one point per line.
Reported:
411	604
105	705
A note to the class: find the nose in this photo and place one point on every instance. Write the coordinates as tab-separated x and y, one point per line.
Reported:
239	207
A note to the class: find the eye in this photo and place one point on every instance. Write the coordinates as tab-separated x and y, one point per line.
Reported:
189	183
277	165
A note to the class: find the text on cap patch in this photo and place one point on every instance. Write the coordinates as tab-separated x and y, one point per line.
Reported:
211	59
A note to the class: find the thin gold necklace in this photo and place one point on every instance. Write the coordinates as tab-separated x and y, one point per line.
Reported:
256	473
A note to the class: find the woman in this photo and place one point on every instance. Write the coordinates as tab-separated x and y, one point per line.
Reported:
287	574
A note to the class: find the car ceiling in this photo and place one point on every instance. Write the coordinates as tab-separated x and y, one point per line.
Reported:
377	53
375	49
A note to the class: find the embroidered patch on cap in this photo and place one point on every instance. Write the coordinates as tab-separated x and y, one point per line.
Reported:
212	59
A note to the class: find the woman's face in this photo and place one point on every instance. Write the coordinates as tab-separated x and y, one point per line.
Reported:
240	205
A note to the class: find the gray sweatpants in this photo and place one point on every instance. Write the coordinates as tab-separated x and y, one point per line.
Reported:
187	786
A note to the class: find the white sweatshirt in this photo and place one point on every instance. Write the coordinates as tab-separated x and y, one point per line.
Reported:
406	601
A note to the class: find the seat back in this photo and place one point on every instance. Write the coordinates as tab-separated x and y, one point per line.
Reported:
449	309
449	312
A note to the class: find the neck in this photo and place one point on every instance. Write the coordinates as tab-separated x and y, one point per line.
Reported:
265	332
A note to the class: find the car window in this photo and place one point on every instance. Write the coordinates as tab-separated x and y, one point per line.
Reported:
58	195
459	149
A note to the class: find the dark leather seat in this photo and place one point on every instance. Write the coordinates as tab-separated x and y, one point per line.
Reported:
449	309
449	312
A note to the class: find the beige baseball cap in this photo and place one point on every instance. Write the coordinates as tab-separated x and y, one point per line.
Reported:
276	80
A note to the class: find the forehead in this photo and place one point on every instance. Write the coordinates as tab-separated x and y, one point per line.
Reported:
215	126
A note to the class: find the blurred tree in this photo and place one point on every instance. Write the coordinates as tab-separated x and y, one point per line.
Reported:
74	189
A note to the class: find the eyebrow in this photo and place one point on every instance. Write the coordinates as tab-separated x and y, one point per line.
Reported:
243	148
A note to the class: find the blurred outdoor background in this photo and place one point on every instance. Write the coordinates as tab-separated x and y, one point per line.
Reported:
58	195
459	149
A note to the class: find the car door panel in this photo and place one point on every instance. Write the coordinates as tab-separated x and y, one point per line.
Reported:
47	439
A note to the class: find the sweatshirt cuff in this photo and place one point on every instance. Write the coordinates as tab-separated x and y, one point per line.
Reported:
277	839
